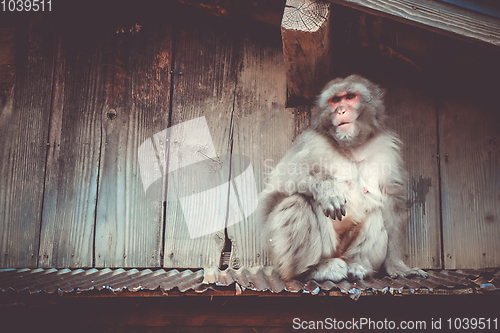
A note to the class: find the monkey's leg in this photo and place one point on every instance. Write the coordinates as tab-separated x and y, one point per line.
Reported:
394	264
368	252
397	268
294	236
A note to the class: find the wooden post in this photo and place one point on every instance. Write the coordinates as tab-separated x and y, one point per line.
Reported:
306	48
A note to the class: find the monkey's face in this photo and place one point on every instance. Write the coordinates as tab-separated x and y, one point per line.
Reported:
344	114
350	110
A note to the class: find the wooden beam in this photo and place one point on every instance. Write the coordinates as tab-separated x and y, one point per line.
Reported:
306	47
435	16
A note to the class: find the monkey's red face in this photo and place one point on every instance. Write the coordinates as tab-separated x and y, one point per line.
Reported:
344	107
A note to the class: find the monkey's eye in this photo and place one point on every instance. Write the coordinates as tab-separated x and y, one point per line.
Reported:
350	96
335	99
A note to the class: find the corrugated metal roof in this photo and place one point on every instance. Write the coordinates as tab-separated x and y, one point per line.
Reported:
79	280
256	279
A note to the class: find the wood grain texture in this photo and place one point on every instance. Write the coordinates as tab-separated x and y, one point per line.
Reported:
437	16
8	37
412	114
203	86
137	89
470	169
24	123
67	231
306	48
263	131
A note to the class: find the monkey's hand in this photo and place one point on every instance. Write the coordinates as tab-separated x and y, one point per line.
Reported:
330	197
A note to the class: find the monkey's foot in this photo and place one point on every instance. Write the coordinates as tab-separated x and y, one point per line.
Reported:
405	271
334	269
357	271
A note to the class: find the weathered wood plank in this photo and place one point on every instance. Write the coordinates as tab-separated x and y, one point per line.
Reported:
8	37
470	169
412	114
436	16
67	232
24	124
263	131
306	48
203	86
137	89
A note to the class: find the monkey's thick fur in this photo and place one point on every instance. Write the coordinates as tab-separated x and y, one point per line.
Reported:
335	205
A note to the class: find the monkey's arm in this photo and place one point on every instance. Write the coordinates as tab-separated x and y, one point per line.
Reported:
327	193
308	169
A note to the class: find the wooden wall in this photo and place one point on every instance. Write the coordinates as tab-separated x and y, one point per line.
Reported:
85	97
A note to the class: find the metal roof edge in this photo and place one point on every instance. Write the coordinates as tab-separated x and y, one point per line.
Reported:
261	281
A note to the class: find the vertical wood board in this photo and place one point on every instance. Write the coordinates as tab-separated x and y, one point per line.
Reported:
8	38
136	102
263	131
24	123
470	170
412	114
203	86
67	232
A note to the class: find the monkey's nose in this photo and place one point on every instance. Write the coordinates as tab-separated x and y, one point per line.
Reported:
341	109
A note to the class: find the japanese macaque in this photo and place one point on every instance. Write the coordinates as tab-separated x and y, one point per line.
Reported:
335	205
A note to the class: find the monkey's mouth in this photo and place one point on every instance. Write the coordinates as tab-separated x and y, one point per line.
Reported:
345	128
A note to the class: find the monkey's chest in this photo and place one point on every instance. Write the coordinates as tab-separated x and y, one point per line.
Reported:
363	186
361	200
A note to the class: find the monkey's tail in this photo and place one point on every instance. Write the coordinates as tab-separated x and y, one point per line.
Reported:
293	236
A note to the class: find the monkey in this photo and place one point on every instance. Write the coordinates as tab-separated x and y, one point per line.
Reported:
335	205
